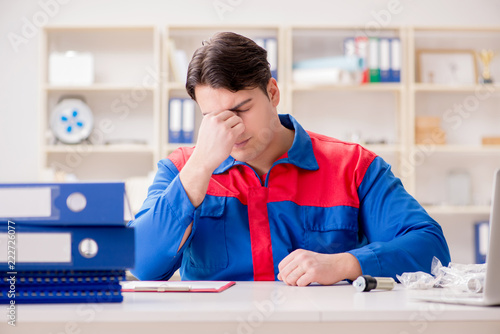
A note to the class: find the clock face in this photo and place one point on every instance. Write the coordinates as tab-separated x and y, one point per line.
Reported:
72	121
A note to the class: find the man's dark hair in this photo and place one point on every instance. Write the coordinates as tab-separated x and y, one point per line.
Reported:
228	61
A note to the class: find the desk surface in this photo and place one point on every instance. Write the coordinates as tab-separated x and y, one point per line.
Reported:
258	307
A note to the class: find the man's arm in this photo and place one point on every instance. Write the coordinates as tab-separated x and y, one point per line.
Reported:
165	222
161	223
402	237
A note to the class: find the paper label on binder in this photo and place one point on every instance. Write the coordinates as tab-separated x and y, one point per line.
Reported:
25	202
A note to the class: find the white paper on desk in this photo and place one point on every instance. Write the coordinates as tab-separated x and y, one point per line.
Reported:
176	286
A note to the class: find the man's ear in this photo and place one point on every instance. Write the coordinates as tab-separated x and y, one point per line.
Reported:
273	92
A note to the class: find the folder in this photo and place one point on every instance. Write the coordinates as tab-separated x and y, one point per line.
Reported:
110	293
178	61
481	238
67	248
271	46
385	59
362	52
175	121
64	204
188	119
395	47
64	277
350	47
176	286
373	59
272	55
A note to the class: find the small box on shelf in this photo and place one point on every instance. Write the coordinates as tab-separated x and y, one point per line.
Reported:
428	130
491	140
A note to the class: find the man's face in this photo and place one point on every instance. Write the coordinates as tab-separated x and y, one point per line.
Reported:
257	111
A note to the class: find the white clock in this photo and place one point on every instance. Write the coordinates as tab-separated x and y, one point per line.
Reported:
72	121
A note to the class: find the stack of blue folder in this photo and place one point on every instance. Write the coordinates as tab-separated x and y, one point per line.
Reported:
64	243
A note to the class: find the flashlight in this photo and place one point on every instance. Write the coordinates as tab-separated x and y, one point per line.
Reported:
368	283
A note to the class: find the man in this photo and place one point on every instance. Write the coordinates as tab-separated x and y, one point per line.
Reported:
259	198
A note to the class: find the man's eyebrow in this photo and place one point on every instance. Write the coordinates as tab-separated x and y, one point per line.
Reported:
238	106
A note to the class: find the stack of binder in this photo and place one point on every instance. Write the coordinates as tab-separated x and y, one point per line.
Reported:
64	243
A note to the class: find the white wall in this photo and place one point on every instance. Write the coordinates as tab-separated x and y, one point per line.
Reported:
19	61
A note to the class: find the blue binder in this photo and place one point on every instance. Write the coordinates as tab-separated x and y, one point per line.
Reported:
271	46
61	277
188	121
395	71
110	293
385	59
67	248
59	204
175	121
481	236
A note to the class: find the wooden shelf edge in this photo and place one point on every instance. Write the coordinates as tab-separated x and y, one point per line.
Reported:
89	149
455	209
375	87
97	87
482	149
423	87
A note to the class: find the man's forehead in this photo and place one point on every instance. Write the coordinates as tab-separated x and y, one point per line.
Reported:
214	99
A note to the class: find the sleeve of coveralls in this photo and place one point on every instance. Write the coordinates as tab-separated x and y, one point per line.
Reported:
160	225
402	237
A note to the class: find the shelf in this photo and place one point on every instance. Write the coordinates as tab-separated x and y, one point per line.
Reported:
423	87
97	87
88	149
461	148
97	28
453	209
374	87
383	148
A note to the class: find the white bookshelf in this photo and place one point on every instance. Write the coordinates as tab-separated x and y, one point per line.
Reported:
465	115
346	111
124	99
132	59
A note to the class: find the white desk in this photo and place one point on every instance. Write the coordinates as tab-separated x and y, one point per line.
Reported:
258	307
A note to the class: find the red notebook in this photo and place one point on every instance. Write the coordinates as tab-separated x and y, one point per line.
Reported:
176	286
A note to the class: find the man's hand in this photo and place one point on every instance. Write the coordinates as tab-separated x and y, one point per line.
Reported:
216	137
302	267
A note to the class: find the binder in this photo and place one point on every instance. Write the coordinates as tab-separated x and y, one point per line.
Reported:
178	61
385	59
63	294
373	59
188	119
272	55
271	46
175	121
64	204
362	52
481	238
395	59
63	277
350	47
68	248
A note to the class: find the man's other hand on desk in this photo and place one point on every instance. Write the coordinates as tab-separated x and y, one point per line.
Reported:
303	267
